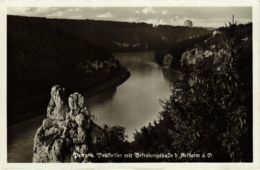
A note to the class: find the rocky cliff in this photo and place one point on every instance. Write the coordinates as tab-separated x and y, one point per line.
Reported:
62	132
65	133
69	133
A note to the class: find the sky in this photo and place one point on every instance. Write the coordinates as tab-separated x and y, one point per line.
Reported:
200	16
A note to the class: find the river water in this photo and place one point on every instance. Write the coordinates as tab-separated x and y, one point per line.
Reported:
134	103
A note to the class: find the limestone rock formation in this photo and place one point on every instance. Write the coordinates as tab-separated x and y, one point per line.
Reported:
62	137
167	60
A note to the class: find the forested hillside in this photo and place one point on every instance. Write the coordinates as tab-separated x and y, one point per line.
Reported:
39	57
210	111
117	36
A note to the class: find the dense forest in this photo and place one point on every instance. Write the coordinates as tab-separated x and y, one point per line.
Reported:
210	111
40	57
117	36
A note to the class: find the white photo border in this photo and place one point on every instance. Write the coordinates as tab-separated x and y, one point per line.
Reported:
255	4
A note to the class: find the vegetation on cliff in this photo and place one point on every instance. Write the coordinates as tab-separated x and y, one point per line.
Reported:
176	49
210	111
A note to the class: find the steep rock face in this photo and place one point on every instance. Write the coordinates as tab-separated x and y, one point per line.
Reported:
167	60
200	56
63	137
223	43
209	55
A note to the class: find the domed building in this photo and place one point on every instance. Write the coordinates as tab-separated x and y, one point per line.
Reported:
188	23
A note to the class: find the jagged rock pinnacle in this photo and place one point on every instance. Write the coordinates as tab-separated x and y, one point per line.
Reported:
62	137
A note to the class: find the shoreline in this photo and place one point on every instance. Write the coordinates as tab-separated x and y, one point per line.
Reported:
92	90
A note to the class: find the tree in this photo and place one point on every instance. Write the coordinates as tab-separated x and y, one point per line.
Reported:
210	111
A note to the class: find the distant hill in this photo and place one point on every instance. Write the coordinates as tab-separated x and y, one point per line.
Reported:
117	36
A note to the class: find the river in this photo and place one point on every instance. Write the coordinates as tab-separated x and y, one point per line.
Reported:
132	105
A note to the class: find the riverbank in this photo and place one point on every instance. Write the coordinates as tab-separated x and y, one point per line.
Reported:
95	87
132	105
21	133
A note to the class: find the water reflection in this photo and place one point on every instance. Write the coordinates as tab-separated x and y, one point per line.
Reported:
135	103
103	97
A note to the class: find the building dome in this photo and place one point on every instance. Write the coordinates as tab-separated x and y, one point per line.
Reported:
188	23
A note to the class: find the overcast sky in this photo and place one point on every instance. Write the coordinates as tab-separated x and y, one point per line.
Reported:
200	16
